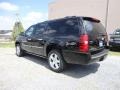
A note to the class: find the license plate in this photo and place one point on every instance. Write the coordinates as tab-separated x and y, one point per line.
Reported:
100	44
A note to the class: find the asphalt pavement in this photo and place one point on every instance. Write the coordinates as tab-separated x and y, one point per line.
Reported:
32	73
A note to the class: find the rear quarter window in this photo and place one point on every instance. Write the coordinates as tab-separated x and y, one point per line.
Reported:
64	27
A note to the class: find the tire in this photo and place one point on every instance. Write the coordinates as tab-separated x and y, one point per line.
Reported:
56	61
111	48
19	51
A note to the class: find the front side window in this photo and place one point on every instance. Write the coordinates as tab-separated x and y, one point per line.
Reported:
29	31
39	29
64	27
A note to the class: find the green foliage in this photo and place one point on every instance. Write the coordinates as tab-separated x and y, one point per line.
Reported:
114	53
17	29
7	44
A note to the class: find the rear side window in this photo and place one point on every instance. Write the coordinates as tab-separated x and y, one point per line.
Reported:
64	27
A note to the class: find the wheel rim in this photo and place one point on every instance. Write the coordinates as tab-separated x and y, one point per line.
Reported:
54	61
18	50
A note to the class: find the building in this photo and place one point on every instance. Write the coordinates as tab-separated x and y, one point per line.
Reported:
5	35
106	10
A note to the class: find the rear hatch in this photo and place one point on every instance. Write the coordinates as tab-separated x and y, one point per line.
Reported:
97	34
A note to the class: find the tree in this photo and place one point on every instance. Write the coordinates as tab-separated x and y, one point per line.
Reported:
17	29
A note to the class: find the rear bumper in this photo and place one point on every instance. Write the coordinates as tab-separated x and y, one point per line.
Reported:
83	58
99	56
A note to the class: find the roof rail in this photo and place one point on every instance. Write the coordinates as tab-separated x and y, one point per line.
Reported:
70	16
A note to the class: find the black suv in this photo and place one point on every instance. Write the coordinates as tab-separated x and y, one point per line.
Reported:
114	42
76	40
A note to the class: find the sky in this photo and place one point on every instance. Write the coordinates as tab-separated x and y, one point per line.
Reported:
28	11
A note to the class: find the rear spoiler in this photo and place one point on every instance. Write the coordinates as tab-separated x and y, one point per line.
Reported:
91	19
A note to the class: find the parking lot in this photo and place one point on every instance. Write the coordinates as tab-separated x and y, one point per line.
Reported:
32	73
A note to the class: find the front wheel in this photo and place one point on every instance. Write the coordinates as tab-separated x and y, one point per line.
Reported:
56	61
19	51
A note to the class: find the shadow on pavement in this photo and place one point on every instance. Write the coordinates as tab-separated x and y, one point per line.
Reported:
79	71
75	71
115	49
37	60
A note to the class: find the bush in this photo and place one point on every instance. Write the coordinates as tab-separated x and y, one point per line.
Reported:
17	29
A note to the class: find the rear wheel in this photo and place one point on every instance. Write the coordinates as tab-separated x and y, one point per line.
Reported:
111	48
56	61
19	51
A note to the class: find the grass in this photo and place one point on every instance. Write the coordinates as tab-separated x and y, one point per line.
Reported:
114	53
7	45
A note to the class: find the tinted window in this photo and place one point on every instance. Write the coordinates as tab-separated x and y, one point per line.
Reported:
63	27
117	32
29	31
94	27
39	29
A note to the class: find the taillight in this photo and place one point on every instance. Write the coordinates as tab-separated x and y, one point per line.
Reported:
84	45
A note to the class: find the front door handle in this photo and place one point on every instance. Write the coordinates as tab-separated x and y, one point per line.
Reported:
29	39
40	39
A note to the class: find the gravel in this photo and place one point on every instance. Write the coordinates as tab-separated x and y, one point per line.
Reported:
32	73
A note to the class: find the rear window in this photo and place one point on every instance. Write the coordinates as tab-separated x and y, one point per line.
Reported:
94	27
64	27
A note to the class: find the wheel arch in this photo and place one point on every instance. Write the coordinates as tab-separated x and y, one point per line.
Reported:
17	43
52	46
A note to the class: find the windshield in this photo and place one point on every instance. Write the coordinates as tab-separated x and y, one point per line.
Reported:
117	32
